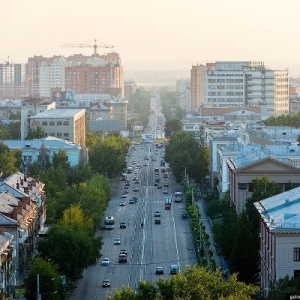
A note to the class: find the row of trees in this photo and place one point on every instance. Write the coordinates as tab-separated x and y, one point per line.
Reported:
284	120
77	198
194	283
186	158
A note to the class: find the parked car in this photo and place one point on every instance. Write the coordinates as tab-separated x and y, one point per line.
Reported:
131	201
124	195
165	192
136	189
122	203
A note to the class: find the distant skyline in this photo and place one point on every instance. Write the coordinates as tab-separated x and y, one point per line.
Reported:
156	34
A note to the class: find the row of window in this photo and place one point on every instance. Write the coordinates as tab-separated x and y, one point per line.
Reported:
53	123
225	80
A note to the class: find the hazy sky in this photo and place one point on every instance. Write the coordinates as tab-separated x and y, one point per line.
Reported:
172	34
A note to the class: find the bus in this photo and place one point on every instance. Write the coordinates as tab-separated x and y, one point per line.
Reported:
109	223
178	196
168	203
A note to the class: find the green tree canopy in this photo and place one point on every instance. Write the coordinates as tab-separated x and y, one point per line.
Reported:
35	133
172	125
49	280
194	283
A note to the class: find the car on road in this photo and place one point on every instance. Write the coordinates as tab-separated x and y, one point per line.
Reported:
157	213
122	225
157	221
123	258
136	189
106	283
135	198
131	201
123	196
105	261
127	183
184	216
159	186
165	192
174	269
123	251
117	241
122	203
159	270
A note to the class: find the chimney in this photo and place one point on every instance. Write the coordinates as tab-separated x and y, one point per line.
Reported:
14	213
26	190
25	178
18	185
22	181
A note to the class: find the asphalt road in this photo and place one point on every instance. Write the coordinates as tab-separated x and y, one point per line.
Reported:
149	246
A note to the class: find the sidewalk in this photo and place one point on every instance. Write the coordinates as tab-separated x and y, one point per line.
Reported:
208	229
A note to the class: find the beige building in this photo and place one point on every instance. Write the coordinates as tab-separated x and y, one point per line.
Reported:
197	87
67	124
30	107
240	178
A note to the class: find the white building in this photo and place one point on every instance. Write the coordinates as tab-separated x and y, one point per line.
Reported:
240	83
279	237
184	94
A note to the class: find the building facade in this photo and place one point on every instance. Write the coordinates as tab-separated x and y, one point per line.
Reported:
67	124
279	218
12	81
240	83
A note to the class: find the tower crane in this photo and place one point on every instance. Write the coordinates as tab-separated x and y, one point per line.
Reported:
96	45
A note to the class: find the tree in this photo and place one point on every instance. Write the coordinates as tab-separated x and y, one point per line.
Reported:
36	133
49	280
7	162
43	160
172	125
194	283
60	159
78	242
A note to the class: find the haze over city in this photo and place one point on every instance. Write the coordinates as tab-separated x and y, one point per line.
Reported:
155	35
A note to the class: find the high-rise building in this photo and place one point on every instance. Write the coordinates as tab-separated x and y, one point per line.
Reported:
12	80
240	83
183	94
77	73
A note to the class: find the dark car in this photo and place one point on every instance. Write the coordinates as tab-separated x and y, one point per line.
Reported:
136	189
105	283
157	221
159	186
122	258
122	225
135	198
131	201
184	216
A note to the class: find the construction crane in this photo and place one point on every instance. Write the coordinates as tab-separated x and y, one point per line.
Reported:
96	45
6	61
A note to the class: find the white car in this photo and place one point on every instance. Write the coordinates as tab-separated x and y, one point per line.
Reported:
122	203
117	241
105	262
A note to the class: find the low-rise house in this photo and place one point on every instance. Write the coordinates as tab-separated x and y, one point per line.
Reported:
31	150
279	218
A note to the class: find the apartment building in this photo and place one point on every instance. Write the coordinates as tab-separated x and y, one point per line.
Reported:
279	224
130	87
183	94
240	83
12	81
22	214
67	124
30	107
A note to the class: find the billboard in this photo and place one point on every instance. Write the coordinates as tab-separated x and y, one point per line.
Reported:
63	96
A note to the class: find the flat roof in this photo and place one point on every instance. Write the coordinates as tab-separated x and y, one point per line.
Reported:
57	113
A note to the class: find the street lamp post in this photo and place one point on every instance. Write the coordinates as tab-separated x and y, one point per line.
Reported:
38	295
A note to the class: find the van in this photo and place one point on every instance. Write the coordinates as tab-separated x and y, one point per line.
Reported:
174	269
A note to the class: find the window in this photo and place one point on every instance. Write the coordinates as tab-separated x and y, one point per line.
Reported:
51	123
66	123
29	158
296	254
44	123
296	273
59	123
59	135
66	134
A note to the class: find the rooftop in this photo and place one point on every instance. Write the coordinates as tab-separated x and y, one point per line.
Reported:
57	113
281	211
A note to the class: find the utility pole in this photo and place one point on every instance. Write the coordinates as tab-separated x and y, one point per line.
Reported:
38	295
